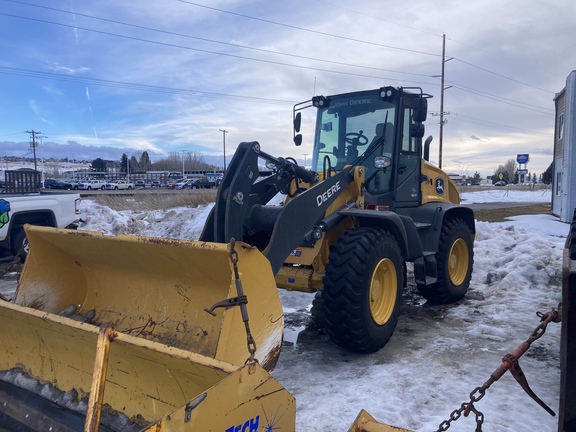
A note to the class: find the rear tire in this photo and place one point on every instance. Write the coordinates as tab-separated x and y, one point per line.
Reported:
454	262
19	241
362	293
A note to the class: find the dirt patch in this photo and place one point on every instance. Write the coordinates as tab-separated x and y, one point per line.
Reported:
501	214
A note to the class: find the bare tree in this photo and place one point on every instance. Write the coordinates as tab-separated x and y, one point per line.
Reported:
510	168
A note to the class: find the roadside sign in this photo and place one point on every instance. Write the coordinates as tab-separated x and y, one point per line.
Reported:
500	176
522	158
522	171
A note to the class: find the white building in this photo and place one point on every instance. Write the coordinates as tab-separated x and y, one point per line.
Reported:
564	181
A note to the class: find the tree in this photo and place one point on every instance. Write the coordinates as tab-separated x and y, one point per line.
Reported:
98	165
548	175
500	171
124	163
145	164
476	179
134	167
510	169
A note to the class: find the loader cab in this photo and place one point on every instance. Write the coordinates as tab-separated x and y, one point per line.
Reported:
379	129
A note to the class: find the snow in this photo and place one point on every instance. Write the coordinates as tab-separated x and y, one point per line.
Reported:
438	354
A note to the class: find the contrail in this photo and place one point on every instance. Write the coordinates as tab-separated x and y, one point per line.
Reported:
91	115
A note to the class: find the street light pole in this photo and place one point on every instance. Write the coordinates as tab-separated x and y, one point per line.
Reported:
224	132
183	153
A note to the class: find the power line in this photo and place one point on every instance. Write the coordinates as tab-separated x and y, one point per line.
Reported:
503	76
214	52
134	86
206	39
476	121
308	30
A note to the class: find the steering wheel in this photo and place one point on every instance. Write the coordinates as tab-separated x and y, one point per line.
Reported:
357	138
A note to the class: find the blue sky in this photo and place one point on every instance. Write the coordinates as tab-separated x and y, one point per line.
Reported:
99	78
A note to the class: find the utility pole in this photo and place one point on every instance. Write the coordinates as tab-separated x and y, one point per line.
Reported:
442	88
42	154
224	132
305	154
33	134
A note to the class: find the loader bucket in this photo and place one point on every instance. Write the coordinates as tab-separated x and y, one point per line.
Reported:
156	289
169	357
148	385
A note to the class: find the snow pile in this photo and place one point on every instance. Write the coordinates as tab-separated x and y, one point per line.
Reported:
438	354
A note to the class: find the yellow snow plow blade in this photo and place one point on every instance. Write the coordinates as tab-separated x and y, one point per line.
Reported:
122	319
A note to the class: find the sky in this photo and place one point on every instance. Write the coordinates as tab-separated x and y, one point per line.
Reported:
438	354
102	78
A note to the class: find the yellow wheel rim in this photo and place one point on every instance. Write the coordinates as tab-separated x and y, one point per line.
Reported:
383	291
458	262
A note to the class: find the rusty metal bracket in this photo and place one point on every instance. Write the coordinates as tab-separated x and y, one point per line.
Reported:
228	303
509	363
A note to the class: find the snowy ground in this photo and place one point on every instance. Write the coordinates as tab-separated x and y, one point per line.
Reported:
438	354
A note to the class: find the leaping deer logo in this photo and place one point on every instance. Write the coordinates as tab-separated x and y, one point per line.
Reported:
440	186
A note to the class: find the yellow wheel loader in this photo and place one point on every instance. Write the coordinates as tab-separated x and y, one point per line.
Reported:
371	203
131	333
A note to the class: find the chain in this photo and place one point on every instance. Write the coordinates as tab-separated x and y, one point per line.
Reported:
251	343
509	362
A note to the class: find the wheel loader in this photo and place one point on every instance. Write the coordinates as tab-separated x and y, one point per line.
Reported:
371	203
138	333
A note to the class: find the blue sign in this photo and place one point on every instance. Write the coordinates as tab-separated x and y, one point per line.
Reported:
522	158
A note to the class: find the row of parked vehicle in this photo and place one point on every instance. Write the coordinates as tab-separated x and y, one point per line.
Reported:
97	184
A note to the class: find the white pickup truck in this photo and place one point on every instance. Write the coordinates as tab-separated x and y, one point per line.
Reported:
92	184
47	209
120	185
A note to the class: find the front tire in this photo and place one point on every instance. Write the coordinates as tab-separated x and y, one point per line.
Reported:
454	262
362	293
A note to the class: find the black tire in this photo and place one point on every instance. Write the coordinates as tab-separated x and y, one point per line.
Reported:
89	188
115	187
19	242
454	262
194	187
103	187
362	293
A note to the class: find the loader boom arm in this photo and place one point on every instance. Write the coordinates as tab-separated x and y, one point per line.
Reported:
240	210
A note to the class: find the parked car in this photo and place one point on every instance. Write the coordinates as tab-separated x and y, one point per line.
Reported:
56	184
92	184
155	183
73	182
139	183
172	183
195	183
119	185
500	183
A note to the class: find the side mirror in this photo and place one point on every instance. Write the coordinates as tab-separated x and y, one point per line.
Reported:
297	122
298	139
421	111
417	130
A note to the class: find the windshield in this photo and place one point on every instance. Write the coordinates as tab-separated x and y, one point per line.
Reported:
352	126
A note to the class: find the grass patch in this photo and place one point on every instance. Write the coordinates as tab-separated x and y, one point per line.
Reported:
501	214
163	200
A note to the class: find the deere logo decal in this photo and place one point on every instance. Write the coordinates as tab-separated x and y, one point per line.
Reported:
4	212
439	184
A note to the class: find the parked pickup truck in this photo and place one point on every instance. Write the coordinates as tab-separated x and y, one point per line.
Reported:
119	185
92	184
47	209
